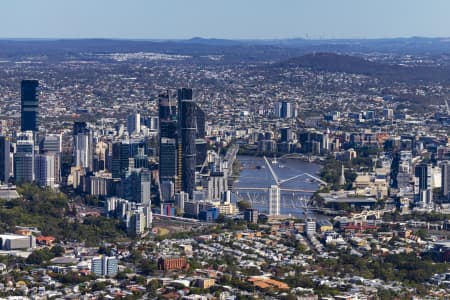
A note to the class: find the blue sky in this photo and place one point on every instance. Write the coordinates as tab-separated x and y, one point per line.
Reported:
148	19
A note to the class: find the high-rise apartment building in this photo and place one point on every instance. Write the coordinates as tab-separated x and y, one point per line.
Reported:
104	266
82	146
274	200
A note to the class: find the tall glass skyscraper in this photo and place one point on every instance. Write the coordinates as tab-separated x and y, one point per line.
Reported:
82	146
29	105
5	147
24	158
188	150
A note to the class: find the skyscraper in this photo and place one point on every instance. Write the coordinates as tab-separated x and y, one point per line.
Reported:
24	158
180	130
50	147
122	152
423	172
274	200
168	144
167	159
167	108
284	110
445	179
134	123
82	146
5	147
201	120
45	169
29	105
188	135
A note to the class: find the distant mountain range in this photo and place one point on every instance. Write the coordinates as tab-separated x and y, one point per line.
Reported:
413	45
249	49
332	62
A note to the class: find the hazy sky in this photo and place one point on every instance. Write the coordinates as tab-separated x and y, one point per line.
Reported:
223	19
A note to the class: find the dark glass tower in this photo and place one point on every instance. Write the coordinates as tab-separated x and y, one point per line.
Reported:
29	105
167	159
5	148
168	150
122	152
201	120
423	172
188	150
167	107
182	95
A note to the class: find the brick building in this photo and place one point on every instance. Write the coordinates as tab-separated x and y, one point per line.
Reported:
172	263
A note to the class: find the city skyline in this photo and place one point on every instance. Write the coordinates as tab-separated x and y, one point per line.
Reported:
175	19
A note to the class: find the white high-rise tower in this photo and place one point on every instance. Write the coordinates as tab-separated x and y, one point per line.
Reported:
274	200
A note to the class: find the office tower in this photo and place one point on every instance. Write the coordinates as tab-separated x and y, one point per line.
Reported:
122	152
82	146
182	94
201	121
101	153
168	145
188	135
168	129
142	187
24	158
154	123
45	169
134	123
135	186
445	179
201	150
168	159
167	107
180	199
29	105
5	149
51	144
200	143
140	159
286	134
274	200
423	172
167	190
284	110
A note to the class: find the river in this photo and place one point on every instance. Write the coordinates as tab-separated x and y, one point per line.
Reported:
255	174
